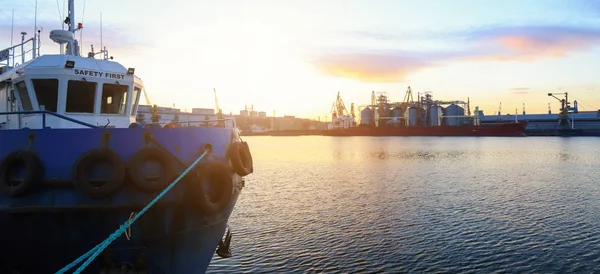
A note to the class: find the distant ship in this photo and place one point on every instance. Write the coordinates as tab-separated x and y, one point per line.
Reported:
508	129
425	117
84	187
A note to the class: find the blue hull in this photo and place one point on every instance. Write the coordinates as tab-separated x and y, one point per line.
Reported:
54	223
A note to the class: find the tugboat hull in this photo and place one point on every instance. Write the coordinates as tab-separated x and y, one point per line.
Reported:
54	221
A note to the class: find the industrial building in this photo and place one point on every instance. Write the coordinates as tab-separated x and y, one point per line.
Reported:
426	112
254	121
248	120
408	113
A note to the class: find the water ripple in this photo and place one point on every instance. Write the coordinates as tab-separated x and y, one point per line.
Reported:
395	205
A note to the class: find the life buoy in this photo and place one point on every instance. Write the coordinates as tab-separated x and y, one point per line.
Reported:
151	154
83	166
210	187
34	172
241	158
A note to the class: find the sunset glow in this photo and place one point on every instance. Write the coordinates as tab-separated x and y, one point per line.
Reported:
293	57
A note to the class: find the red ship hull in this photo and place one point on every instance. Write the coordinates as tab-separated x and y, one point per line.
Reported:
507	129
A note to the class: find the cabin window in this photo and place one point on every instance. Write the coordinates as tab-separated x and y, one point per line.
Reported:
114	99
46	91
24	96
134	98
81	96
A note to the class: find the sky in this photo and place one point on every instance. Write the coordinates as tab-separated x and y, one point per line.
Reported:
292	57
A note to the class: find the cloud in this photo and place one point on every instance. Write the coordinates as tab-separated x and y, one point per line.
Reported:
520	90
529	43
495	43
370	67
377	65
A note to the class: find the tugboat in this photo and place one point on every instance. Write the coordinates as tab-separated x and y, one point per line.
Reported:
84	188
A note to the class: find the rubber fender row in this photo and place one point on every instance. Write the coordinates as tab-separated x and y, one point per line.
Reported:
209	186
81	176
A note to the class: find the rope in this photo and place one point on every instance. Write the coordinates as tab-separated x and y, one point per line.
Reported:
94	252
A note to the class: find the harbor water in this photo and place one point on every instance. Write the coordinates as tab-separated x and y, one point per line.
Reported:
415	204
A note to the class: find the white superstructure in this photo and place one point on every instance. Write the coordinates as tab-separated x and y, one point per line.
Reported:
100	92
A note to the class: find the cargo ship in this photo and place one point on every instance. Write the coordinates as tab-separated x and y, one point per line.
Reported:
423	117
507	129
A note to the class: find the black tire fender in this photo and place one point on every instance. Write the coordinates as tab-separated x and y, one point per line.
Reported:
152	154
210	188
82	166
241	158
248	155
34	172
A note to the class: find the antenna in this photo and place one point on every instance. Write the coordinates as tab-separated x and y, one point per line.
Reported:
12	27
39	41
63	13
34	30
101	48
81	30
35	19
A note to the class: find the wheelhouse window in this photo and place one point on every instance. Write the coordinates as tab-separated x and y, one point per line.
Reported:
114	99
81	96
24	96
46	91
134	98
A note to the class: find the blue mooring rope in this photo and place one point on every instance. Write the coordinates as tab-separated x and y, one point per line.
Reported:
94	252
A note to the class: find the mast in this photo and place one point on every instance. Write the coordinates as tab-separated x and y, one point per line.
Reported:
73	45
71	16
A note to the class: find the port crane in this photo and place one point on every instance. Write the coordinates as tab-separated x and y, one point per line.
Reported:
338	108
563	116
339	114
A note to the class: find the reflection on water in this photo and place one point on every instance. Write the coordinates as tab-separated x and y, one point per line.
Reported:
398	204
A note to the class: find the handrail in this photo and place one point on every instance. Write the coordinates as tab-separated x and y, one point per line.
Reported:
44	112
198	121
10	54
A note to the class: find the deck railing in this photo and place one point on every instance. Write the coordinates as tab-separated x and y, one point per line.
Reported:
220	122
11	54
44	112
